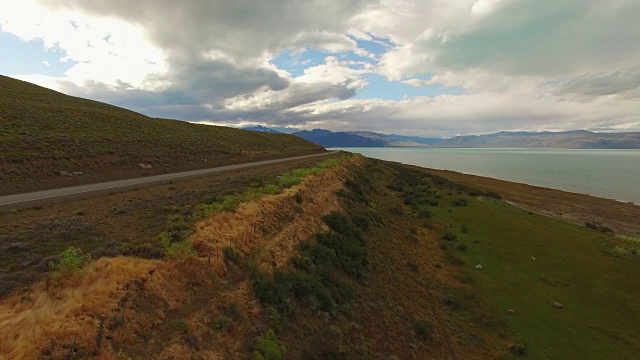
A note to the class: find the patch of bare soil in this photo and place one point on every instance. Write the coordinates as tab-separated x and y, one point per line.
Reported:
577	208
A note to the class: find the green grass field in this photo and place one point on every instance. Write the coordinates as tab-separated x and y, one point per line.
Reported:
573	265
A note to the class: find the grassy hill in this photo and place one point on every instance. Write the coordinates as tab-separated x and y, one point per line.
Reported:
48	136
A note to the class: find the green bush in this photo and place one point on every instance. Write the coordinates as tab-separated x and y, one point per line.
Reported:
267	347
72	260
315	279
176	250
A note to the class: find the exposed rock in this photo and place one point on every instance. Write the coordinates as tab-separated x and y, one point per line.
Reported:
557	305
64	173
145	166
479	267
77	173
533	258
511	312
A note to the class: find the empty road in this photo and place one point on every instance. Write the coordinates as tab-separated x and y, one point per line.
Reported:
29	199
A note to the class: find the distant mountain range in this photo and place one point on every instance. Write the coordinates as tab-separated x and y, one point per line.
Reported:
579	139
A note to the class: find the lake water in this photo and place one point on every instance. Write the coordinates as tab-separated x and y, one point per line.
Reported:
613	174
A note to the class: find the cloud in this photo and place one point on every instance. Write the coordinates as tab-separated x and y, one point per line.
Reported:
241	28
511	37
448	115
46	63
522	64
601	84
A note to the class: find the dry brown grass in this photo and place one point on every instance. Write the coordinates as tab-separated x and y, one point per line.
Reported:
46	318
57	311
276	223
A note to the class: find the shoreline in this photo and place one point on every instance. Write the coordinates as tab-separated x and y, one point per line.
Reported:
604	175
569	206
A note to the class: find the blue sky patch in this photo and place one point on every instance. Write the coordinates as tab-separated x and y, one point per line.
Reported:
27	57
376	45
380	88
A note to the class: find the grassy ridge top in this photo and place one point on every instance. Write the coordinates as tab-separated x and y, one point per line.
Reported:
44	131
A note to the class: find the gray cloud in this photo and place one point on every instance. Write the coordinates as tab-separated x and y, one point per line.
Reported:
542	37
593	85
214	51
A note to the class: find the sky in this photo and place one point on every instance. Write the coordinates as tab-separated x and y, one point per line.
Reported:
435	68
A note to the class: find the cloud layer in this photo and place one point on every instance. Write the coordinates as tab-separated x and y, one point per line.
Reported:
520	65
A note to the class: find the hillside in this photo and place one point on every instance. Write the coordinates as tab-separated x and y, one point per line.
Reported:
49	140
346	258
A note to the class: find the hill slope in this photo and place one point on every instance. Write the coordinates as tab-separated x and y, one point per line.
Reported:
49	138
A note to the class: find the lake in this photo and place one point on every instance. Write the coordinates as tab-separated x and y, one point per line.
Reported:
613	174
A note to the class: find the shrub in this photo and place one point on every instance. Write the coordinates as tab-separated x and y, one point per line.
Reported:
449	237
518	349
224	323
233	311
423	329
177	250
462	247
267	347
598	227
72	260
459	202
181	326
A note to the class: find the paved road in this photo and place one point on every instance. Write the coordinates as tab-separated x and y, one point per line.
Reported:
29	199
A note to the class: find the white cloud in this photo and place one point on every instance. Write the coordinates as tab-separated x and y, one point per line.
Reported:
106	50
521	64
46	63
